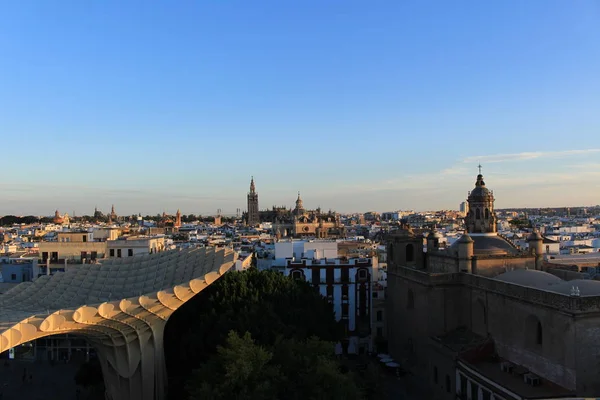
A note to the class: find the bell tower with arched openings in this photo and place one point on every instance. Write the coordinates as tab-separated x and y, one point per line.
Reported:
481	217
253	217
405	248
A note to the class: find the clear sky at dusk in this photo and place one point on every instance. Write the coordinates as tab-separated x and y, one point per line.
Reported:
359	105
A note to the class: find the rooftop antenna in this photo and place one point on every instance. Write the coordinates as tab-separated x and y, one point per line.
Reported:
479	166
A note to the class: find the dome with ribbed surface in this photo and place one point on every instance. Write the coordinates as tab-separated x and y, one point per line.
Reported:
480	193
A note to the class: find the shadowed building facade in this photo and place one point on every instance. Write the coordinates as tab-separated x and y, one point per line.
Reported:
120	306
482	320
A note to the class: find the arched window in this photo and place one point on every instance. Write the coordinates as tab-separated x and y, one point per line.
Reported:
410	300
487	213
480	318
534	334
410	252
477	213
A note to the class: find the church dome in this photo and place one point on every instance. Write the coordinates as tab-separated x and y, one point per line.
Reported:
480	193
487	244
531	278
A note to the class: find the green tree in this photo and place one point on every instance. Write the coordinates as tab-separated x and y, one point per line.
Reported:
266	304
290	369
240	370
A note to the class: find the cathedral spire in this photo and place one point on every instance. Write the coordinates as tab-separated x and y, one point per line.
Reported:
252	217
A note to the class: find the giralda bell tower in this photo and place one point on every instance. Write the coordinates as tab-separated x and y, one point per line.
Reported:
253	218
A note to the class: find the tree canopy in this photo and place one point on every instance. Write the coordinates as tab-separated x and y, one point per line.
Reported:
520	223
266	304
290	369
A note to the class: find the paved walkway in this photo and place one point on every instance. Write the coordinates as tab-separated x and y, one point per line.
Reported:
42	381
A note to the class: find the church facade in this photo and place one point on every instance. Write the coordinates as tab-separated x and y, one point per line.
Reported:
298	222
481	320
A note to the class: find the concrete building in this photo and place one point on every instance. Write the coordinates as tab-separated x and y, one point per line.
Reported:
347	285
71	247
481	320
18	270
135	246
78	247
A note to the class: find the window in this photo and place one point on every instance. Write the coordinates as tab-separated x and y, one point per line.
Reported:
94	255
118	252
379	315
487	213
112	252
391	253
547	248
13	277
329	275
379	332
345	275
375	294
534	337
474	389
345	310
316	276
83	255
84	238
448	384
463	385
130	253
362	274
435	374
297	274
410	252
345	291
477	213
329	290
410	300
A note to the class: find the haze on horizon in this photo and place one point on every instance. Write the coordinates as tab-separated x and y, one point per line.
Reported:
155	107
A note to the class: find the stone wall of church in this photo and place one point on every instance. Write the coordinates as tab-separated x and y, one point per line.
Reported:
513	324
421	306
441	263
587	354
415	313
491	267
442	372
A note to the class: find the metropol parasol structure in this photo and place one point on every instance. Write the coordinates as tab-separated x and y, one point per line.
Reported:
121	306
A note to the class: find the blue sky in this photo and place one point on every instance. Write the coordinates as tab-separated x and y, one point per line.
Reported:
359	105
